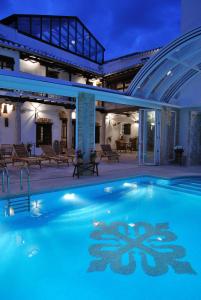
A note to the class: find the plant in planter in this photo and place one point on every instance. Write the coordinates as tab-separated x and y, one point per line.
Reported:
79	156
178	154
29	148
93	156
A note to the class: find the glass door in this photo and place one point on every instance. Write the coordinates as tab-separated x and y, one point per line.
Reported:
149	137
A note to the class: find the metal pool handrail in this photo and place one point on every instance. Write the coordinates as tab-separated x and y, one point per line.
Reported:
26	169
3	174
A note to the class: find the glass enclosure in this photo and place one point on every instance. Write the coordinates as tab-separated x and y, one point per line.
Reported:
67	33
149	137
171	135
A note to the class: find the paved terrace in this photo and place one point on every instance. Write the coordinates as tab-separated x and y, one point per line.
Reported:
54	177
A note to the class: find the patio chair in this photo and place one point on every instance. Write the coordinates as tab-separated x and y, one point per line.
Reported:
109	153
121	146
21	155
50	154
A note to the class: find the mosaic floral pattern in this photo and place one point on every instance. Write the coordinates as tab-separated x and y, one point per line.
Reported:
122	245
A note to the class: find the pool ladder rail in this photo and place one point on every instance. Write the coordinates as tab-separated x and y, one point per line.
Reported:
19	204
5	174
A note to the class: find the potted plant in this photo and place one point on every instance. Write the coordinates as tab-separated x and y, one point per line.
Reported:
178	154
79	156
93	156
29	148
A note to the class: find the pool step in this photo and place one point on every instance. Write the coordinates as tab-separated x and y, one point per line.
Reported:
188	186
18	205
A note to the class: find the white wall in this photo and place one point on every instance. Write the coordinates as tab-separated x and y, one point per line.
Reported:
78	79
7	134
32	68
64	75
190	14
114	125
43	111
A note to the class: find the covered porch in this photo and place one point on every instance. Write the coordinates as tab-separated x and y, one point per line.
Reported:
127	123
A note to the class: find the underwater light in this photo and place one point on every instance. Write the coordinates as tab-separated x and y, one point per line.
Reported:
69	196
131	185
36	204
108	189
131	224
96	223
11	211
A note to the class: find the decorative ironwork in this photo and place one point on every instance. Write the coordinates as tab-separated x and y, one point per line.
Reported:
122	245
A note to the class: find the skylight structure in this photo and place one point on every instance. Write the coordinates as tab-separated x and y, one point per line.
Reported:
67	33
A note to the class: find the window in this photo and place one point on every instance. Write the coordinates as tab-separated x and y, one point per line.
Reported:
43	134
64	132
36	27
24	24
93	51
67	33
64	33
7	62
52	74
72	38
86	43
55	31
97	134
46	29
127	129
80	33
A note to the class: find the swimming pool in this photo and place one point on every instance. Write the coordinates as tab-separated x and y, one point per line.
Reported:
130	239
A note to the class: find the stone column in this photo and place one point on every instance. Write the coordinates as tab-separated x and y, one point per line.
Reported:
18	136
85	123
69	130
103	129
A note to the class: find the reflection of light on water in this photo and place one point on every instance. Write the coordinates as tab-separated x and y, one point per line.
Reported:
33	252
108	189
159	239
36	208
11	211
98	223
150	190
36	204
73	198
19	240
131	224
130	185
108	211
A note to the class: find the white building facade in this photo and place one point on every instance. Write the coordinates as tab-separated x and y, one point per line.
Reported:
56	88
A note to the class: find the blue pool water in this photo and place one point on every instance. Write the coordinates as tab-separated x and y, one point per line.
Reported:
131	239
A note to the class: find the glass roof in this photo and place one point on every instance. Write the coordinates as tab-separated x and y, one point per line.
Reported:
67	33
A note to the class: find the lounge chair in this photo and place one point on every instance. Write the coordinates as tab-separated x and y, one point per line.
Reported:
109	153
21	155
50	154
2	161
6	151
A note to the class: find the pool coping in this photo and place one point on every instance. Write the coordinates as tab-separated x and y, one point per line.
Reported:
44	191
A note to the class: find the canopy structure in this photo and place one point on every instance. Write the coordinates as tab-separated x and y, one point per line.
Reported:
18	81
174	74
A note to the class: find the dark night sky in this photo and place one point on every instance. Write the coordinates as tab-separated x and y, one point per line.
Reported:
122	26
